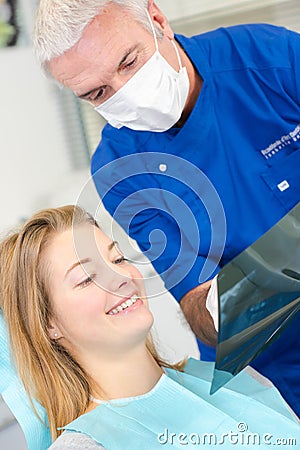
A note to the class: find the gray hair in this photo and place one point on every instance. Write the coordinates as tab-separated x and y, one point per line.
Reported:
59	24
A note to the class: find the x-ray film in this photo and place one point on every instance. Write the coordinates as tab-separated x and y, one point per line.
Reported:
259	295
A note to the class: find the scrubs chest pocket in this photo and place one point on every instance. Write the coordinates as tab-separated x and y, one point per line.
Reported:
283	179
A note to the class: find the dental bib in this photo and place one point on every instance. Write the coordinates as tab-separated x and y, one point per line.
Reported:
179	408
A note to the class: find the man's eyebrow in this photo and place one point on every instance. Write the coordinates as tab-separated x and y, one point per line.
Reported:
128	52
78	263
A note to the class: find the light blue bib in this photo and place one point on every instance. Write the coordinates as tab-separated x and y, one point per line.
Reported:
179	412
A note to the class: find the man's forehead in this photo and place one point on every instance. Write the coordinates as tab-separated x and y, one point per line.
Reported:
104	44
88	59
113	24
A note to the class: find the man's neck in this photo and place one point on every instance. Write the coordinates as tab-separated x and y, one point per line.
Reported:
195	87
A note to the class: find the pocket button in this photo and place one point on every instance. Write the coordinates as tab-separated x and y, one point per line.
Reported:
283	186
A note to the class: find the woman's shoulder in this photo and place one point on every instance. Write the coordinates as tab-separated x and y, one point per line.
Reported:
75	441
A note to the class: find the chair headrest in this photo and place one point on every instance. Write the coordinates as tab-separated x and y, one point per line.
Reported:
37	434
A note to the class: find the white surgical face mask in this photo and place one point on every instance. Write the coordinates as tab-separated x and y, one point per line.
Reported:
154	97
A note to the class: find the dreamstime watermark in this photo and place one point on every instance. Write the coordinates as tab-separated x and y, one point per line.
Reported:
240	437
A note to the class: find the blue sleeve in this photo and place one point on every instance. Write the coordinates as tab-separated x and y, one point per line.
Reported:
256	47
277	48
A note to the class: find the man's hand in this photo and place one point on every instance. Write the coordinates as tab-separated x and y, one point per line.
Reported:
193	305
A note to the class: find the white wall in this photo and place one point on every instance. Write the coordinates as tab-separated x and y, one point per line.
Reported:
33	155
177	10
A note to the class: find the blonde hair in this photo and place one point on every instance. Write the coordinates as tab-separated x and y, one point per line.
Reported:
49	373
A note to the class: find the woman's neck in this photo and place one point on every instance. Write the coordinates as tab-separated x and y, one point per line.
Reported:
133	375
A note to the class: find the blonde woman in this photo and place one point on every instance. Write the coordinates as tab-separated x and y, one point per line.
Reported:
79	325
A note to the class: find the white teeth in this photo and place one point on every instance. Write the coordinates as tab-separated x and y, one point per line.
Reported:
124	305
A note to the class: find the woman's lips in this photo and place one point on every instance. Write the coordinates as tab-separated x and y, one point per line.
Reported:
126	305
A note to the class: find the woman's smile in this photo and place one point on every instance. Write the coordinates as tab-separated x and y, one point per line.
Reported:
126	306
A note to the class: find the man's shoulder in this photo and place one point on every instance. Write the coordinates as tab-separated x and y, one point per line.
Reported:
239	46
264	31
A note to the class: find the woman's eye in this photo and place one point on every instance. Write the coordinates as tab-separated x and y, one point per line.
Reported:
120	260
86	282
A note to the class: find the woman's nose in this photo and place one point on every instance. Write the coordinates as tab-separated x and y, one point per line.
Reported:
117	279
122	284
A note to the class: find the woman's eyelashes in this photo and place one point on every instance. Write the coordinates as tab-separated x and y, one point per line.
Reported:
120	260
86	282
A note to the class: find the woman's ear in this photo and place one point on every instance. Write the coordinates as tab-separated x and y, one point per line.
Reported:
159	19
54	332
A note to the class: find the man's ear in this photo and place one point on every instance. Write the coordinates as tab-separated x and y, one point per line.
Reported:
159	19
54	332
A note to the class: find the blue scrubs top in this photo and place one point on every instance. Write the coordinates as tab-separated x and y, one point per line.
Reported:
195	197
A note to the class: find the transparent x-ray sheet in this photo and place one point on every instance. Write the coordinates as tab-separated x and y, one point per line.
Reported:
259	295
